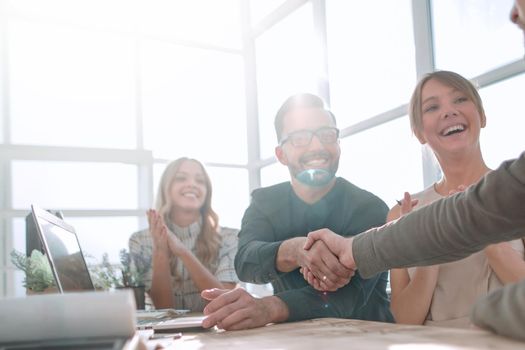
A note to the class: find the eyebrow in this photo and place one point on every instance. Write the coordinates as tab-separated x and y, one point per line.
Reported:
428	99
189	174
454	91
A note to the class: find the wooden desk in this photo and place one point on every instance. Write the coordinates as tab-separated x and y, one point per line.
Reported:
331	333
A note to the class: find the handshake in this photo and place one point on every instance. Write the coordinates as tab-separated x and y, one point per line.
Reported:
326	260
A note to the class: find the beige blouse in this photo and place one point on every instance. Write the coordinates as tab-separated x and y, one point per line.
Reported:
459	283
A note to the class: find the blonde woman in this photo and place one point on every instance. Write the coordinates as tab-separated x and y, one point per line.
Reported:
446	113
188	250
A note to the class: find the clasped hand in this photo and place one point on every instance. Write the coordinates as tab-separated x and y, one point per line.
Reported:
321	266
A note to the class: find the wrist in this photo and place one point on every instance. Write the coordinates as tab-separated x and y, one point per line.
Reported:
289	254
161	256
277	309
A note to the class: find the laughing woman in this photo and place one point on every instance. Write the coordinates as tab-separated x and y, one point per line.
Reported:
446	113
188	250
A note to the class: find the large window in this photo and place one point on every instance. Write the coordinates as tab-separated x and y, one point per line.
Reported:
385	160
287	63
192	103
67	185
473	37
503	136
69	86
371	66
96	97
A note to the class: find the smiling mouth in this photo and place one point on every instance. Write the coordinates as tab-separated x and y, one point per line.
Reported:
189	195
454	129
316	162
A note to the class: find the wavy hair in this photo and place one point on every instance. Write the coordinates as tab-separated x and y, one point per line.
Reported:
208	242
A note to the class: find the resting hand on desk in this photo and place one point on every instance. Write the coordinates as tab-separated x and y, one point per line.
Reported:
236	309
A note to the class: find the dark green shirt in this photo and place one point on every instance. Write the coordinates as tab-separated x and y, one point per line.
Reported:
277	214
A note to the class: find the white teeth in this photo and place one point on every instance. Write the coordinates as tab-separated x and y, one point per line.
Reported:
452	129
190	194
315	162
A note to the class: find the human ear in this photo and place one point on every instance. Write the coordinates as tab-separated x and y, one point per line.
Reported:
281	156
421	138
483	120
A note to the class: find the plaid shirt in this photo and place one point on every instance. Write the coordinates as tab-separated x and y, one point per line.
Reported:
185	293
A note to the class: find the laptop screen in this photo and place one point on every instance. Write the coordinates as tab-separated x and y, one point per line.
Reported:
63	251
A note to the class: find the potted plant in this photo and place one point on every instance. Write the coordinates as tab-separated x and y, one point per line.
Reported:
38	275
134	267
105	276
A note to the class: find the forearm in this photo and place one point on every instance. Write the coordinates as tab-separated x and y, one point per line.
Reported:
255	261
507	263
451	228
411	302
287	255
199	274
161	290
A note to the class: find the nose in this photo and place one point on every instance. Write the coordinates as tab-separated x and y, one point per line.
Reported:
450	110
514	14
316	143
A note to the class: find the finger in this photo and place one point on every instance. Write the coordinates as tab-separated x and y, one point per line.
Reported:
210	294
314	282
310	240
330	268
312	237
217	315
318	267
239	319
406	204
220	298
148	215
334	265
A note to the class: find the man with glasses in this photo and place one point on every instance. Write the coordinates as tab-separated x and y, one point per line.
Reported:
275	226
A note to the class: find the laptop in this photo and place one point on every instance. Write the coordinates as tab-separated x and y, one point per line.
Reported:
71	273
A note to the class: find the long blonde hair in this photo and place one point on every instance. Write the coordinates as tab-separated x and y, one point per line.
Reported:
208	242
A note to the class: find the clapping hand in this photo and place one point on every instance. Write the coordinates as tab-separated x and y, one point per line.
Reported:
158	232
164	241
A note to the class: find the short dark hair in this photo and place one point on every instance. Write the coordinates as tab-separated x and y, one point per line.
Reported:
302	100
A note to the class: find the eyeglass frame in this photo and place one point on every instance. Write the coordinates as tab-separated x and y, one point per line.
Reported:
312	133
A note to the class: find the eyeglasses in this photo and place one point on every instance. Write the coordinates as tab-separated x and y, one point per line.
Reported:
302	138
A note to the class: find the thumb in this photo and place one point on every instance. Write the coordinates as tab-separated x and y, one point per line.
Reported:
311	238
210	294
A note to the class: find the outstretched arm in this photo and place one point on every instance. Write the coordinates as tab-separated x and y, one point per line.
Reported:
451	228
